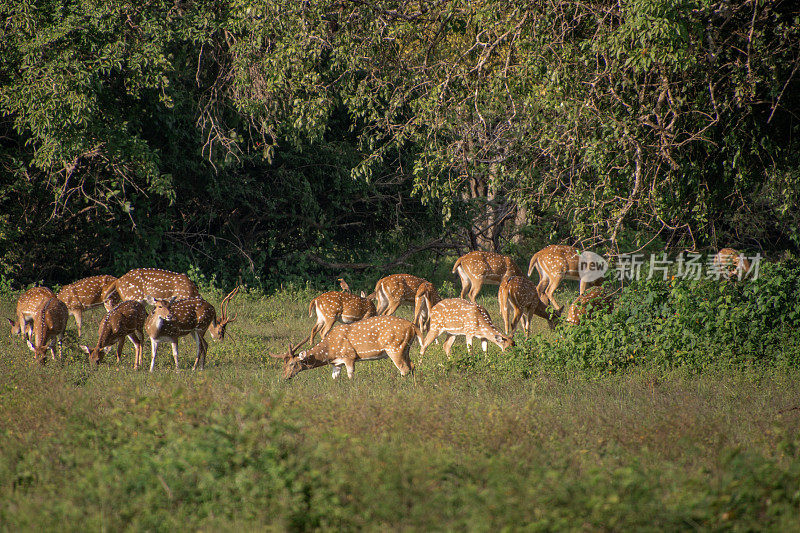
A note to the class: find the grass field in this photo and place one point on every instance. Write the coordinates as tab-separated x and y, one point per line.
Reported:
236	447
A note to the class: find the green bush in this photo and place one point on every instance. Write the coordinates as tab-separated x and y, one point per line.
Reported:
683	323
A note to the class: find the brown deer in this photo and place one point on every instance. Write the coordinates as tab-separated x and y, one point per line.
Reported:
85	294
731	263
478	268
586	304
49	323
124	320
27	305
141	283
369	339
456	316
518	296
426	297
171	320
554	264
332	306
393	291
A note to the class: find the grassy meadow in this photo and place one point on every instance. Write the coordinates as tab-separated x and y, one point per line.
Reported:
454	447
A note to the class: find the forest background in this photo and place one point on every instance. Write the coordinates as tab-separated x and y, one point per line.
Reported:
271	142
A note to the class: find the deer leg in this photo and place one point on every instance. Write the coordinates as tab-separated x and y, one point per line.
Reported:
551	289
476	288
175	353
514	319
137	350
350	365
327	327
337	369
401	360
383	302
119	348
199	349
541	287
432	334
392	307
79	320
466	283
153	349
448	343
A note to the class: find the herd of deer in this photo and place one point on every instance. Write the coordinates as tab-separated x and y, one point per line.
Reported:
367	332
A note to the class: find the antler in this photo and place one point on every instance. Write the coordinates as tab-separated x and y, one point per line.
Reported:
225	303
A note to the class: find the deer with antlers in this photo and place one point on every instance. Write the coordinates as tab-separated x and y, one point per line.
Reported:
393	291
27	304
585	305
558	262
476	269
49	323
87	293
140	284
124	320
369	339
456	316
171	320
519	298
332	306
731	263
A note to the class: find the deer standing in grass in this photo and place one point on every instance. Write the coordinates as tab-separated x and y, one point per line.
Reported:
171	320
27	305
586	304
85	294
731	263
519	298
124	320
49	323
369	339
332	306
140	284
393	291
554	264
456	316
478	268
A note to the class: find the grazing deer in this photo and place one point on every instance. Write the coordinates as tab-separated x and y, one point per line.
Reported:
141	283
27	305
586	304
171	320
393	291
124	320
426	297
49	323
731	263
518	296
478	268
555	263
332	306
369	339
85	294
456	316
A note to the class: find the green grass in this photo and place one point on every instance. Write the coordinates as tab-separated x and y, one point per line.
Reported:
236	447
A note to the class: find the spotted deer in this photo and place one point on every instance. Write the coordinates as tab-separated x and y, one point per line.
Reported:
332	306
586	304
369	339
124	320
519	299
393	291
731	263
478	268
49	323
172	319
87	293
141	283
27	305
456	316
555	263
426	297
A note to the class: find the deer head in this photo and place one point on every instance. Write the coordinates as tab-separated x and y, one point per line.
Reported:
293	364
218	330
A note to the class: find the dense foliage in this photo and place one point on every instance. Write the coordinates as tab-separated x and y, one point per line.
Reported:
297	138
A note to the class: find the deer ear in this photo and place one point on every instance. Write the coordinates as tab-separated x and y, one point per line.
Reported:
150	300
363	294
84	348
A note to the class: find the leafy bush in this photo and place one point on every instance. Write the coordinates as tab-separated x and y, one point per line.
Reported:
683	322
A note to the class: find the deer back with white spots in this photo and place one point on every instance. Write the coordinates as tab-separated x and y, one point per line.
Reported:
519	299
126	320
140	284
192	316
586	304
27	305
393	291
369	339
456	316
87	293
49	323
555	263
332	306
476	269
